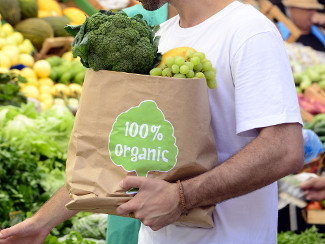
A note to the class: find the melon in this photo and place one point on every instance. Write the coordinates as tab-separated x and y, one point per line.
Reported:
36	30
28	8
10	11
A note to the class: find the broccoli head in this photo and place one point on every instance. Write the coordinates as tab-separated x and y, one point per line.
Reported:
114	41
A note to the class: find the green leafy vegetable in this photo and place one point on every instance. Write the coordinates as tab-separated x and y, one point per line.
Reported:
92	226
309	236
114	41
33	148
10	90
72	238
44	134
19	180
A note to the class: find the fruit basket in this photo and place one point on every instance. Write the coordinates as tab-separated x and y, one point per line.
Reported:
54	46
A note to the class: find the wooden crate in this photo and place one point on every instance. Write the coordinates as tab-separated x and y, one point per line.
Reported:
316	166
54	46
315	216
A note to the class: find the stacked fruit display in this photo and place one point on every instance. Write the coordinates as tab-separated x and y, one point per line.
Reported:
38	20
14	49
15	56
66	69
40	86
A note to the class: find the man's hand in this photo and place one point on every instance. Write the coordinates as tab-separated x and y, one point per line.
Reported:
26	232
35	229
156	204
314	189
318	19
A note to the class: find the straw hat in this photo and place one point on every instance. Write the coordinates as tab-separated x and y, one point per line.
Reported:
307	4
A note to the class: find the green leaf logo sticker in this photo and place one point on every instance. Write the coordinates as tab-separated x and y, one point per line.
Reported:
142	140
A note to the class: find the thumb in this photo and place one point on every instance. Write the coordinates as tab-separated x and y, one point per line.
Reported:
133	182
4	234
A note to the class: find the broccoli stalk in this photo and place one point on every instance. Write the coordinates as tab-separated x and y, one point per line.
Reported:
114	41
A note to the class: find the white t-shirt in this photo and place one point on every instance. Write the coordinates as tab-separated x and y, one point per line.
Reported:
255	89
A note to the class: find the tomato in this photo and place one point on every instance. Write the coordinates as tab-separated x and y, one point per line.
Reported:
314	205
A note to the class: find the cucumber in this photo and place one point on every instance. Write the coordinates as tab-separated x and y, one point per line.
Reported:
320	124
320	131
322	138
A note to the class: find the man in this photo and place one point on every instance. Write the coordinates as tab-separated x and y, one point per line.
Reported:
256	123
304	15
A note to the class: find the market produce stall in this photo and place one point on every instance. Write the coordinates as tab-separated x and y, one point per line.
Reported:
40	87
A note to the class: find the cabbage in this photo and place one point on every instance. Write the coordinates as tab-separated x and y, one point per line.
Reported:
45	133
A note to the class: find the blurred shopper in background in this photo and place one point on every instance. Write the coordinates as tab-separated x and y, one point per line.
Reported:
303	14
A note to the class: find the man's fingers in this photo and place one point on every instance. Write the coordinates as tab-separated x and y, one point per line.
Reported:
133	182
126	208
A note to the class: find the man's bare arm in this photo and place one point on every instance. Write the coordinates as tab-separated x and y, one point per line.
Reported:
276	152
35	229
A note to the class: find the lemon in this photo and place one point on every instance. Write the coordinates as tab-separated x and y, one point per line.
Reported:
6	30
46	81
46	104
45	96
32	81
24	49
42	68
18	37
77	58
2	42
28	73
12	53
29	44
26	59
68	56
4	70
11	41
15	71
22	85
11	48
45	89
4	61
31	91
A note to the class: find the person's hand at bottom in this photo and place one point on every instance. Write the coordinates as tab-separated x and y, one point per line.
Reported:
26	232
157	203
314	189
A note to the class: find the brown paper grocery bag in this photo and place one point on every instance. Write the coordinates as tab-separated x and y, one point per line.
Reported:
130	124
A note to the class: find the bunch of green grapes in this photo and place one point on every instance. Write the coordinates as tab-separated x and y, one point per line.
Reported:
194	65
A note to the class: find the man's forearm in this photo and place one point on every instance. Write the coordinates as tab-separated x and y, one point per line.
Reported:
54	212
275	153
